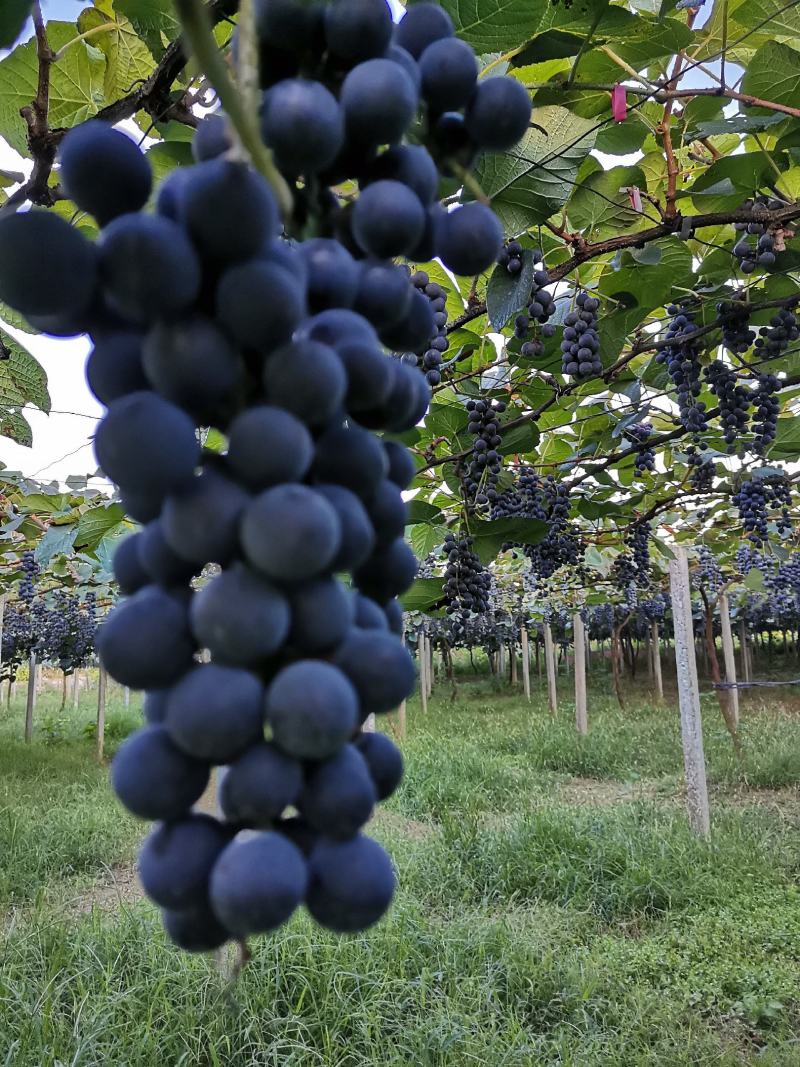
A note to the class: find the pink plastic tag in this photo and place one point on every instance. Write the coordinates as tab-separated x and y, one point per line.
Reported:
619	105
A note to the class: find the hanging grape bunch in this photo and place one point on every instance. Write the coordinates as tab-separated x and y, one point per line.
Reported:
437	343
761	251
541	306
734	401
773	341
766	407
645	459
466	583
737	336
580	349
202	315
511	257
682	359
480	482
756	498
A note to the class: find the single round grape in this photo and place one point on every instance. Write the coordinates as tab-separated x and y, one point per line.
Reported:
257	883
302	123
401	464
213	137
387	511
384	760
358	537
146	445
148	267
103	171
339	795
290	533
306	378
351	457
228	210
332	274
380	668
420	26
410	164
259	786
449	72
267	445
61	282
322	613
312	709
358	29
379	100
195	929
368	614
388	219
114	367
469	238
153	778
145	641
239	617
129	571
201	520
351	883
390	570
160	561
499	113
175	861
214	713
250	319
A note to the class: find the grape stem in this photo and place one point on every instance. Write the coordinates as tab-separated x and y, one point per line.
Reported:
197	32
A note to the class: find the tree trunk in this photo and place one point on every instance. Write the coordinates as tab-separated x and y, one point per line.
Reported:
75	688
550	663
616	655
655	644
29	704
512	657
526	663
689	695
63	690
423	673
102	681
727	655
581	722
711	650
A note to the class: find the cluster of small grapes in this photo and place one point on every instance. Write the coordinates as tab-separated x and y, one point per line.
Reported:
776	338
563	545
749	558
580	349
762	253
601	622
624	572
524	499
480	482
511	257
467	583
766	408
654	609
202	316
682	359
756	498
737	336
702	475
68	631
637	539
541	305
734	401
30	572
707	574
645	459
437	344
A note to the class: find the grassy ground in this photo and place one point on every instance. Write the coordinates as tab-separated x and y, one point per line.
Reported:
553	908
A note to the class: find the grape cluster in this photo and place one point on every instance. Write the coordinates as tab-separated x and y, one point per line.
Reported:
637	539
776	338
734	401
466	582
762	252
702	474
68	630
563	544
749	558
737	336
707	574
202	315
682	359
480	481
30	572
766	408
580	349
524	499
437	343
645	459
756	498
511	257
541	305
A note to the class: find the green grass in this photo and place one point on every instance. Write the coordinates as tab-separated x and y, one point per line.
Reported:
553	908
